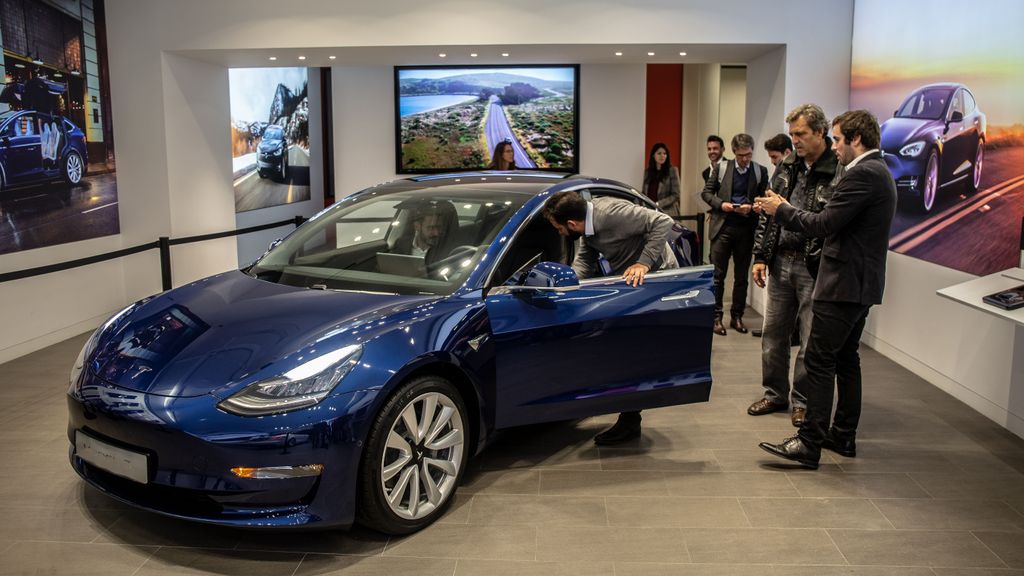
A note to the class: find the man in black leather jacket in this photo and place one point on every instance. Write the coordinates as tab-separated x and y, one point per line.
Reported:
805	178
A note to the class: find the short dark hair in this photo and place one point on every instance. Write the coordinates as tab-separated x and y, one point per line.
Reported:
779	143
716	138
564	206
742	140
859	123
813	115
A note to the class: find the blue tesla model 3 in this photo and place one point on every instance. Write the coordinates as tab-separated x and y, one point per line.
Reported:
350	372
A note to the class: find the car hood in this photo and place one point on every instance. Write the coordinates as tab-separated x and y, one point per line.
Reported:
898	132
270	144
226	328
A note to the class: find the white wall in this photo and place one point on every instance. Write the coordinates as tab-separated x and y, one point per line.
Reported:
170	112
732	96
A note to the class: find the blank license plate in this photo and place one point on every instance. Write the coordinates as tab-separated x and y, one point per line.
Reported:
131	465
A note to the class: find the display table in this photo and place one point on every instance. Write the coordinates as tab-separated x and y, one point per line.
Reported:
972	291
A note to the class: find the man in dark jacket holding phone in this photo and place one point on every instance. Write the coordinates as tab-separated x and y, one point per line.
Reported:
851	278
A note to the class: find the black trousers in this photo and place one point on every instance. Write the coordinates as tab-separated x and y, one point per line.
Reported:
831	361
734	241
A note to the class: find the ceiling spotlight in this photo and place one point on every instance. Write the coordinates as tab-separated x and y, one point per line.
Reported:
442	55
302	57
682	53
618	53
272	58
504	54
650	53
333	57
472	55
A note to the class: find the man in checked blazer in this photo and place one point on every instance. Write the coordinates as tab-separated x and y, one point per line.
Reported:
851	277
730	193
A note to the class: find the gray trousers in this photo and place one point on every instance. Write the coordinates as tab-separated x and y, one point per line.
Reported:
790	287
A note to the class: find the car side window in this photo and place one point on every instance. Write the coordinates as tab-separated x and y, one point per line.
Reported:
969	104
7	131
25	125
958	103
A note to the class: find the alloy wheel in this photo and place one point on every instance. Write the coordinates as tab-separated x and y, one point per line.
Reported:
979	160
73	168
931	182
422	456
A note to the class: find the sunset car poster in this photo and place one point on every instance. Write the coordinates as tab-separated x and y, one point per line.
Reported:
948	95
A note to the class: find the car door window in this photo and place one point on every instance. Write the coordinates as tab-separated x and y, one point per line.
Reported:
969	104
957	105
25	125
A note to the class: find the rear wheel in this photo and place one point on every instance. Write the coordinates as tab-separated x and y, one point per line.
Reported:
73	169
415	456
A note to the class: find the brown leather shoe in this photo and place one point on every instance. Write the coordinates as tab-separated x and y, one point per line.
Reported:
737	325
765	406
719	327
799	415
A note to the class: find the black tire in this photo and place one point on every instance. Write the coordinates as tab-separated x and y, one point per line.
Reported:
930	183
373	509
261	174
72	168
974	182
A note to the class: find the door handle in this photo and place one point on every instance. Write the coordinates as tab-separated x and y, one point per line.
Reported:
684	296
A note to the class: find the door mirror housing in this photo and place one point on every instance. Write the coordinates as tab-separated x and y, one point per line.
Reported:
956	116
545	277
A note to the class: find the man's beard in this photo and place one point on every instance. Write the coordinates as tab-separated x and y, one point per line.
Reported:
574	236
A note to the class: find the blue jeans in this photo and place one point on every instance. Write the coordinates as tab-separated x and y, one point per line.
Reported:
790	287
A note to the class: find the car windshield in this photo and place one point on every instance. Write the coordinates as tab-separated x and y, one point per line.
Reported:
927	104
410	242
273	133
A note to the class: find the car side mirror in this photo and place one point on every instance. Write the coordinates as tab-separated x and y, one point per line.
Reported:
544	278
274	244
956	116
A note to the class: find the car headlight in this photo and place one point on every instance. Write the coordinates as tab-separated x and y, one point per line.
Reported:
912	149
300	387
90	344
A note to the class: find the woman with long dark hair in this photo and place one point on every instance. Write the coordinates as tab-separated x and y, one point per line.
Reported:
504	157
661	180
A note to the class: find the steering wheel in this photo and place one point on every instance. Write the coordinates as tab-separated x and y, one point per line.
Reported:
451	262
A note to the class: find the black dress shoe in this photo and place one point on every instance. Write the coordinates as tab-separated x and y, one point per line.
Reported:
737	325
765	406
719	327
794	449
619	433
842	446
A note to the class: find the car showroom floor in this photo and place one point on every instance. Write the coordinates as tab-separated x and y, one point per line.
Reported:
936	489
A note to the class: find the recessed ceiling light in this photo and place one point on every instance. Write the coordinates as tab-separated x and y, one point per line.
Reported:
333	57
504	54
618	53
472	55
442	55
272	58
650	53
302	57
682	53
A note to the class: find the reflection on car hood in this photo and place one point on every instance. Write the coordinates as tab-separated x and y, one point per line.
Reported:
270	144
898	132
218	330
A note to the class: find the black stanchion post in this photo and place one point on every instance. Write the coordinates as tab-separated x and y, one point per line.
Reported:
700	235
165	261
299	220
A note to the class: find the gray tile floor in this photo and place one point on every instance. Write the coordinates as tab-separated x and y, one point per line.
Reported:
937	490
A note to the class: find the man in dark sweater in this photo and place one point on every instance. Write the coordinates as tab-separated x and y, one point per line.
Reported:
851	278
731	197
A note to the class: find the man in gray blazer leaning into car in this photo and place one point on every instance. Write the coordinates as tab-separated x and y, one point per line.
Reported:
619	238
851	277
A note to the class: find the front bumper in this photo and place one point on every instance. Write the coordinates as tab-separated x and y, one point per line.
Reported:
907	172
267	161
191	447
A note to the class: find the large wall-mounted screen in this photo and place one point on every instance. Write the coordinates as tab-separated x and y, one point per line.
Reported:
269	136
452	118
945	80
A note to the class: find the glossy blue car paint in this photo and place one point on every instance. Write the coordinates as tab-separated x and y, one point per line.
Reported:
154	376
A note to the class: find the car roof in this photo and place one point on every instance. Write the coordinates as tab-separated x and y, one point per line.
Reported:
941	85
525	182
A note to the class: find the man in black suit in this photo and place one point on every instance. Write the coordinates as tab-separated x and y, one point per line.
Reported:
731	193
855	224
